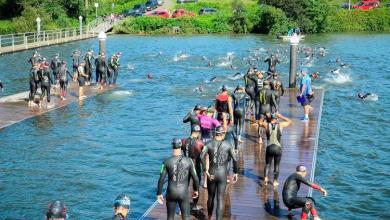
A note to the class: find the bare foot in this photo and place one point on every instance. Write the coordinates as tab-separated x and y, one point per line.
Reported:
276	183
265	181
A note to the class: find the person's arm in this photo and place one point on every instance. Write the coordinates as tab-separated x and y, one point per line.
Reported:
303	88
202	157
281	88
215	122
313	185
163	174
230	104
233	155
286	121
187	118
266	60
67	72
274	103
194	179
49	76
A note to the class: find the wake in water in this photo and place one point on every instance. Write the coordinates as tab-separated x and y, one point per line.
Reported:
130	67
227	60
339	77
180	56
121	93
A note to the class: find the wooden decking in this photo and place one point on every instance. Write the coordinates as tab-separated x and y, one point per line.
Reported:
248	198
14	109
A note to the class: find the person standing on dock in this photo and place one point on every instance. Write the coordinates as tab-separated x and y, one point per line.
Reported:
220	152
272	61
267	103
55	65
207	123
34	83
81	77
273	130
224	107
250	85
46	82
306	94
192	147
258	78
101	70
116	66
75	60
63	73
113	68
277	86
290	193
121	207
192	116
89	59
179	170
34	59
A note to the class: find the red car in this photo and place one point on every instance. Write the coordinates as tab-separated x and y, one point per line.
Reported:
159	13
366	5
181	12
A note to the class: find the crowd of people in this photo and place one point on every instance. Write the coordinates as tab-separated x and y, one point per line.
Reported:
215	137
45	75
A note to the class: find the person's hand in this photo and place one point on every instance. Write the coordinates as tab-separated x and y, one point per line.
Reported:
324	192
195	194
210	177
278	115
235	178
160	199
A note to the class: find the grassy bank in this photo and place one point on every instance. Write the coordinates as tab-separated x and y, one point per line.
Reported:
314	17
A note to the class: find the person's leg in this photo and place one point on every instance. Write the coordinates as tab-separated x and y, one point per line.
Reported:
204	174
211	189
115	75
221	187
48	92
241	125
184	205
268	159
277	158
171	208
198	173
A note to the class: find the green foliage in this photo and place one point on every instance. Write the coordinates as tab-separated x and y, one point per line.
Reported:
6	27
238	20
27	23
272	21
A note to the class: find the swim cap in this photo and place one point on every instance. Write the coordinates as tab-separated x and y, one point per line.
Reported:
56	209
197	107
122	201
176	143
195	128
219	130
301	168
224	88
304	69
119	53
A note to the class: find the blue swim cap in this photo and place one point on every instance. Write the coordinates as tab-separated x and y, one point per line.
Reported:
122	201
304	69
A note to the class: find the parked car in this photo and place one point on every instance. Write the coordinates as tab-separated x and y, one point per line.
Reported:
346	5
181	12
160	2
140	8
366	5
159	13
151	4
207	11
187	1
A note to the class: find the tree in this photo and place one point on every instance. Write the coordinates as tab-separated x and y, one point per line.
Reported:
239	20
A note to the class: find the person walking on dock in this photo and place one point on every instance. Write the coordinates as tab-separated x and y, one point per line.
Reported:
277	86
75	60
224	107
55	65
81	78
35	59
89	59
116	65
63	73
46	82
290	193
34	83
220	152
179	170
273	130
192	147
250	85
241	101
306	94
267	103
121	207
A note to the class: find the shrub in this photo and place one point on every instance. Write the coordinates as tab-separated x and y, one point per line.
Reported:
272	21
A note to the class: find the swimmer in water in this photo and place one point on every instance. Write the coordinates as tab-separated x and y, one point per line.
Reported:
335	71
213	79
179	170
56	211
315	75
1	86
121	207
200	88
290	194
363	96
220	152
149	76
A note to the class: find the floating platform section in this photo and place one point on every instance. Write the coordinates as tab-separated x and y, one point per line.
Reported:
248	198
14	108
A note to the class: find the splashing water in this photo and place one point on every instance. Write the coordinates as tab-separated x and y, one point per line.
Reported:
121	93
339	78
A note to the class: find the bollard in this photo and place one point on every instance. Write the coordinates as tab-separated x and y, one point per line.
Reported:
102	42
294	41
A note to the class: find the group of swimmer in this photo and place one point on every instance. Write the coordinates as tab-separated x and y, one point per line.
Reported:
44	74
214	143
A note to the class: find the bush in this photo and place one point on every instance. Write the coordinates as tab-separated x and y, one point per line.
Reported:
239	20
272	21
6	27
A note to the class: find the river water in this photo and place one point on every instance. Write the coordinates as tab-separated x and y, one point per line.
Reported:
87	154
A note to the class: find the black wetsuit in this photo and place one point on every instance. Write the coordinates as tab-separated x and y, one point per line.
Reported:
34	82
63	73
250	84
192	118
290	192
75	60
258	87
179	170
361	96
101	69
46	82
220	153
277	86
192	148
267	102
1	85
274	149
34	60
113	69
88	59
272	61
240	100
55	65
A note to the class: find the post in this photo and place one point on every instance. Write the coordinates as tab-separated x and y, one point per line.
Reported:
13	43
38	20
25	41
81	26
294	41
0	41
349	5
102	42
96	8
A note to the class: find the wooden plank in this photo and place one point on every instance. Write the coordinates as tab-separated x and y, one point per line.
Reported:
248	198
14	109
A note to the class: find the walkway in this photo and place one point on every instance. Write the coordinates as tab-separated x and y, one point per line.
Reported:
248	199
14	109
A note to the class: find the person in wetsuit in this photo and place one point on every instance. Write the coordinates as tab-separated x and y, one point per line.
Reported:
192	116
277	86
220	152
46	82
63	74
75	60
207	124
35	59
34	81
363	96
56	211
101	69
110	69
192	147
179	170
250	84
121	207
273	130
1	85
267	103
240	102
116	65
55	65
258	78
89	59
272	61
224	107
290	193
81	78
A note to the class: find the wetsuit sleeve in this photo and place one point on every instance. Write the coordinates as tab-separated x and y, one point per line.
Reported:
194	176
163	173
202	155
183	144
50	78
187	118
67	72
1	85
304	181
282	88
266	60
232	153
